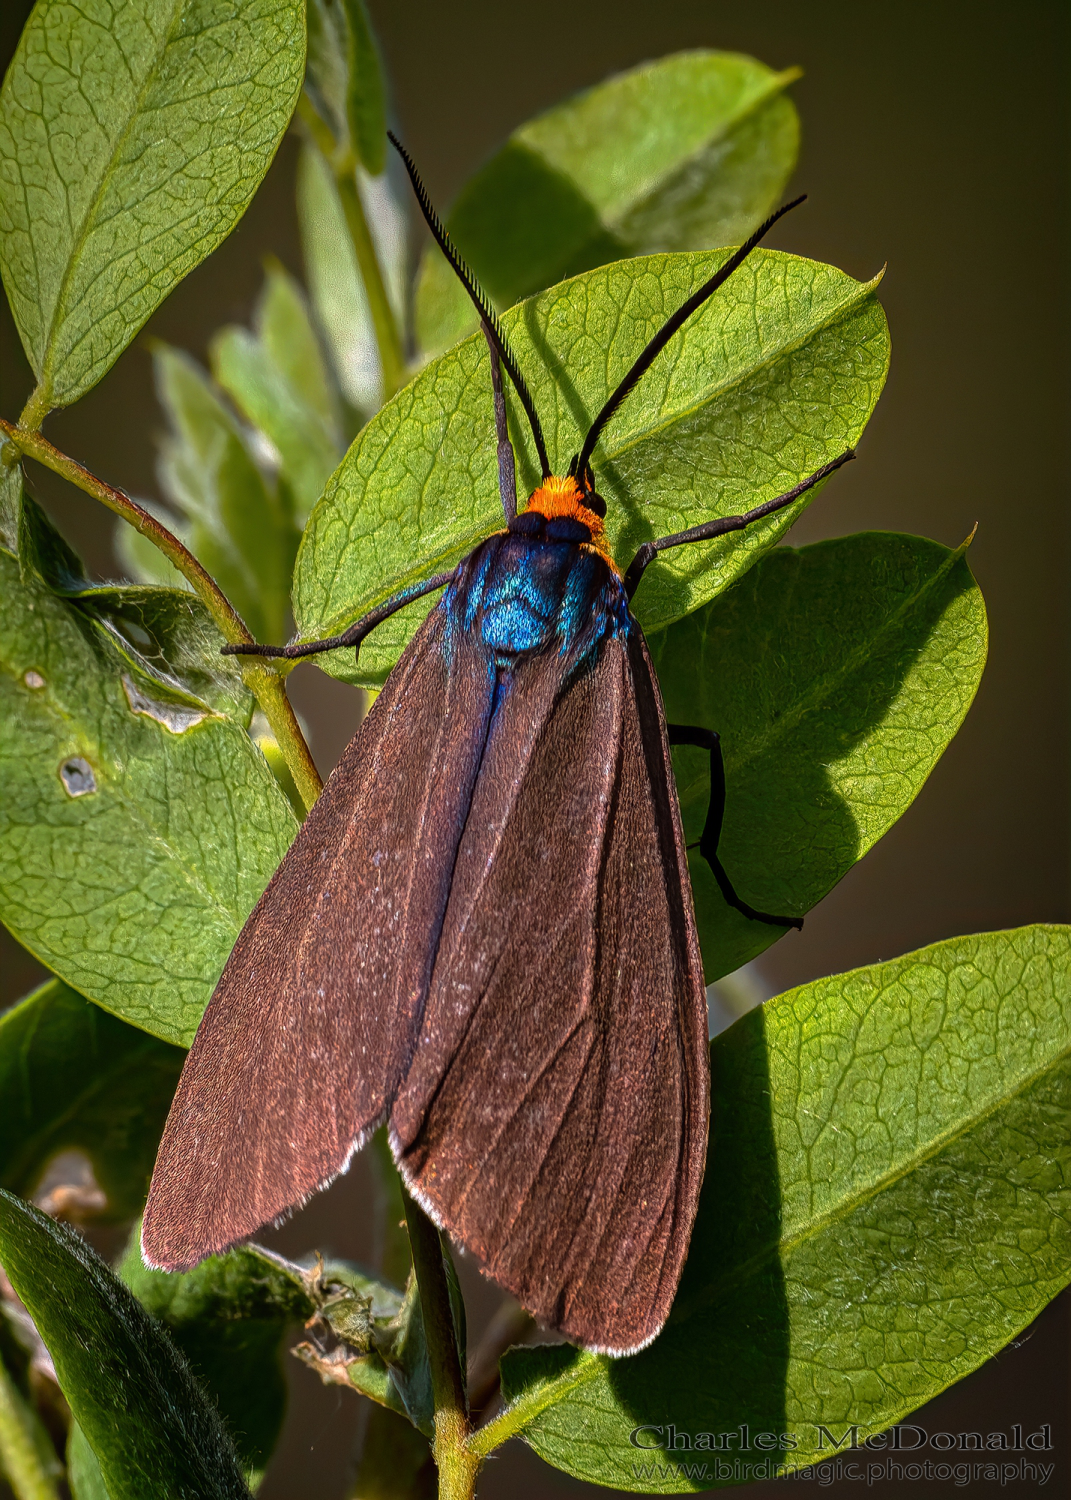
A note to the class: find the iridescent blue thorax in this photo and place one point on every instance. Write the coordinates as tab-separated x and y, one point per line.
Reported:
536	588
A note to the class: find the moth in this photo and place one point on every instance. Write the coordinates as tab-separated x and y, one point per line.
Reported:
483	934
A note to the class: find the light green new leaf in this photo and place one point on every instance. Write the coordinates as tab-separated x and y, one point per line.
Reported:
836	676
151	1427
132	138
775	376
83	1470
345	79
684	153
887	1203
74	1077
276	378
138	826
336	289
366	107
238	526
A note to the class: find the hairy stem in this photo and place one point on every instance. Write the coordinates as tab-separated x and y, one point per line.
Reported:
457	1466
23	1446
384	323
264	682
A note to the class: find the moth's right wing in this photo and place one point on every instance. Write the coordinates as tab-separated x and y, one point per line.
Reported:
312	1024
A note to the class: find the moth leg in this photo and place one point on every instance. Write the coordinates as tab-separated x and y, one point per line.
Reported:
650	550
507	465
356	632
708	739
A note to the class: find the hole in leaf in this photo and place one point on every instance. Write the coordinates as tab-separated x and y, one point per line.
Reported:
77	776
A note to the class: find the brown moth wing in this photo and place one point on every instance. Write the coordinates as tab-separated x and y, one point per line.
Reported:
554	1118
312	1024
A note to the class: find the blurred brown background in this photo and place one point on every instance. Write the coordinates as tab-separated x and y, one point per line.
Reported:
936	139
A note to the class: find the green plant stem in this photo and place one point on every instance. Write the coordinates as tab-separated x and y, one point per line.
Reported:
384	323
457	1464
264	682
22	1446
394	1257
36	410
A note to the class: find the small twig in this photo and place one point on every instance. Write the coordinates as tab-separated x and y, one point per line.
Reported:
343	168
264	682
510	1325
457	1466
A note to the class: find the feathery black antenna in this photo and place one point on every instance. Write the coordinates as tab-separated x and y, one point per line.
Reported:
488	316
666	332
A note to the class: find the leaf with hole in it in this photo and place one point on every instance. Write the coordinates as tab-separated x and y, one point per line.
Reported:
276	378
684	153
887	1203
139	826
165	634
151	1427
835	676
776	375
131	143
239	528
72	1077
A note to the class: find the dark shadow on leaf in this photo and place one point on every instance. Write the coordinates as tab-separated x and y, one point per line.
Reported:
797	665
523	225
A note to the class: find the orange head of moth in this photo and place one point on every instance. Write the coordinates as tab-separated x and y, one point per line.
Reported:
562	496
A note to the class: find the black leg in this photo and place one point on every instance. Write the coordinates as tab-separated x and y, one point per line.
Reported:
707	739
650	550
356	632
507	467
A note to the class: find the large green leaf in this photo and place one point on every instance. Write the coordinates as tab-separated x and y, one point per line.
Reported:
277	379
138	826
229	1317
684	153
151	1427
775	376
238	526
132	138
72	1076
887	1203
836	676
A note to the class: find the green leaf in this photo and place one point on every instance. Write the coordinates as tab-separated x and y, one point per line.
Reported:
345	79
684	153
10	504
73	1077
243	532
887	1203
276	378
775	376
131	143
365	96
836	676
336	289
140	559
166	634
83	1470
27	1458
229	1317
139	826
148	1422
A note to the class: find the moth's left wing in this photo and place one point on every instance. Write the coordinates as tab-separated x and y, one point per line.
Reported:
554	1117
